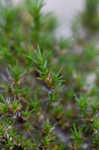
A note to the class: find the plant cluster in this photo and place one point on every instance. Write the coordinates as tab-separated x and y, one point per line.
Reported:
46	102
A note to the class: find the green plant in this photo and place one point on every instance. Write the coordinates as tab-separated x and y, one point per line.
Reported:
43	81
90	16
77	137
83	104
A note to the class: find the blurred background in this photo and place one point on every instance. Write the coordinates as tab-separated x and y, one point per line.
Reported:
65	10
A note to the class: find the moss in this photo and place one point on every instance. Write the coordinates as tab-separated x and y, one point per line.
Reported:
45	100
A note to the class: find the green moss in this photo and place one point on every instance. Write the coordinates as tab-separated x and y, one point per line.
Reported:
43	87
